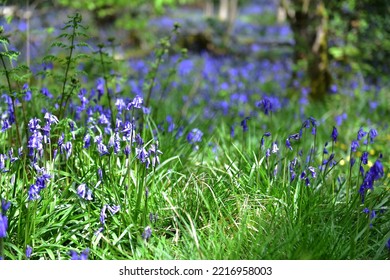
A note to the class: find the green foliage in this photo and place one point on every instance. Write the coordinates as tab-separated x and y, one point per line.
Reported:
360	31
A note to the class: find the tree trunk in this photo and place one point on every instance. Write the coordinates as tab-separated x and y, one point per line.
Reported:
308	20
209	8
223	10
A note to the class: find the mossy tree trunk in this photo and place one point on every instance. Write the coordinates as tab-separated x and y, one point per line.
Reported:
308	20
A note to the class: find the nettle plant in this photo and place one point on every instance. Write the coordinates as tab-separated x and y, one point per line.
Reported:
68	168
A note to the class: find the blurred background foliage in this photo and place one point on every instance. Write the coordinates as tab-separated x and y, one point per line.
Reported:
356	31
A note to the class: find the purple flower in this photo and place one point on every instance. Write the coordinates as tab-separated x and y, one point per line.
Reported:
2	163
147	233
375	173
334	134
103	215
46	92
3	226
340	118
361	133
113	209
354	145
68	149
364	157
82	256
120	104
244	124
232	131
372	134
34	125
102	149
6	125
194	136
136	103
50	119
312	171
143	155
100	87
84	192
5	206
33	192
29	250
288	144
275	148
87	141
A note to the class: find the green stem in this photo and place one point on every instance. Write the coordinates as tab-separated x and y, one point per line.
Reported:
12	98
106	86
69	59
1	248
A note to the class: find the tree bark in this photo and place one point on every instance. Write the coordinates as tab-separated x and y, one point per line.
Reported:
308	20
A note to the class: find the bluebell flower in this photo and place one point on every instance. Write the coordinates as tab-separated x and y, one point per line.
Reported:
68	149
100	174
103	119
275	148
375	173
146	110
2	163
312	171
46	92
103	214
128	131
3	225
364	157
354	145
135	103
84	192
102	149
50	118
171	125
143	155
61	140
288	144
334	134
361	133
33	192
154	152
82	256
29	250
267	134
340	118
194	136
113	209
34	125
100	87
87	141
244	124
127	150
372	134
147	233
138	139
120	104
388	244
6	125
232	131
27	93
